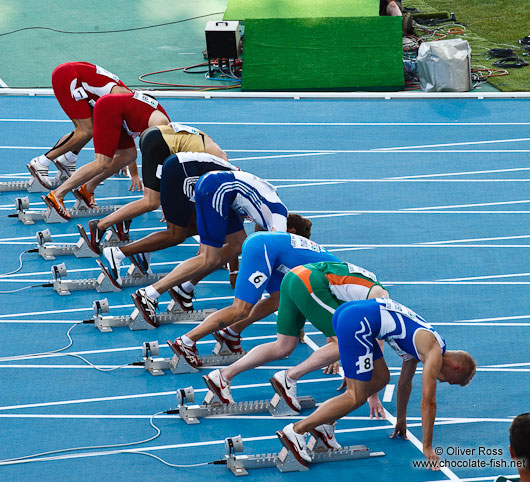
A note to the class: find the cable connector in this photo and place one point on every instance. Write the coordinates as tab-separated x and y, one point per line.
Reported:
172	412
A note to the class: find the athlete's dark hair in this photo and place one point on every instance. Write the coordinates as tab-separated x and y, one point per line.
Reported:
520	438
301	225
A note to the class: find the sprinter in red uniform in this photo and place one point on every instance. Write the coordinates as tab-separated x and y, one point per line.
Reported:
118	119
77	86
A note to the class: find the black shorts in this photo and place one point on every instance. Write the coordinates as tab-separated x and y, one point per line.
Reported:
154	152
177	207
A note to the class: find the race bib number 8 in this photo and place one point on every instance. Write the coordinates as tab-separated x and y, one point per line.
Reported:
257	278
365	363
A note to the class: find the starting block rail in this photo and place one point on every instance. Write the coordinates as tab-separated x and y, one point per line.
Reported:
49	250
80	210
102	284
135	321
285	461
156	366
212	406
30	185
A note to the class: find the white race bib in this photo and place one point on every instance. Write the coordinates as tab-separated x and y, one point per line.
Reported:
106	73
358	270
182	128
146	99
299	242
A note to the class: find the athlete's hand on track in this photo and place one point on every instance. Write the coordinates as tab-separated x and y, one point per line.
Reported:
432	457
400	429
332	369
136	184
301	337
376	407
342	385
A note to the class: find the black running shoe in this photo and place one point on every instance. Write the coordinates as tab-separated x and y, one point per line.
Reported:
122	229
183	298
96	235
147	306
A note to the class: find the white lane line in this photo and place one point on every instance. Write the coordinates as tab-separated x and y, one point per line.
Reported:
419	445
501	203
121	349
148	395
340	247
514	275
283	156
410	211
72	310
462	173
200	444
467	240
389	393
508	365
456	323
378	151
467	143
76	235
323	124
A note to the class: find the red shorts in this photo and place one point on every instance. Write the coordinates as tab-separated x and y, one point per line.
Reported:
119	118
77	85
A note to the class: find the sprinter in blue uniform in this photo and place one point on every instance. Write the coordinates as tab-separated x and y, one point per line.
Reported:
358	325
266	258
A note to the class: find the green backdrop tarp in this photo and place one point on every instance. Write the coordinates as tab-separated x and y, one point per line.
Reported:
359	53
245	9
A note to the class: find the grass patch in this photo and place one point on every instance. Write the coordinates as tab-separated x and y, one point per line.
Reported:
489	24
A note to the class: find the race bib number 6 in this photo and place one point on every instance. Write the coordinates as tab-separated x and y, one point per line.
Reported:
257	278
365	363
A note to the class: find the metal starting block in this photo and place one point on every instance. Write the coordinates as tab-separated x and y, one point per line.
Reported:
80	210
285	461
211	405
135	321
155	365
49	250
31	184
102	284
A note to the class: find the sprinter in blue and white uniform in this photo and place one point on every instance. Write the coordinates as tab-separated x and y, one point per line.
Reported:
357	326
222	199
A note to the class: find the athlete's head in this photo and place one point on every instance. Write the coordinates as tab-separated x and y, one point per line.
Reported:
458	368
520	441
297	224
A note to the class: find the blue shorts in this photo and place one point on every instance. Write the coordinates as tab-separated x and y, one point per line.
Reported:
356	325
211	224
177	207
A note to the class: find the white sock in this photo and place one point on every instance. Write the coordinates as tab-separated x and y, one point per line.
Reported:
232	332
43	160
187	286
70	157
118	254
152	293
187	341
289	379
